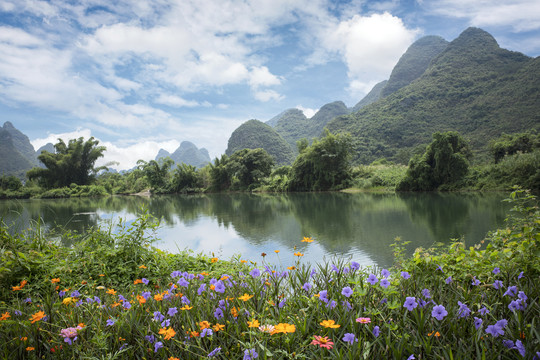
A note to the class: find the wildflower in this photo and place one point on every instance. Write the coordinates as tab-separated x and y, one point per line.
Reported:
111	292
405	275
372	279
110	322
498	284
27	300
253	323
520	347
220	287
355	265
137	281
218	327
173	358
55	280
284	328
126	305
158	297
347	305
376	331
218	313
514	305
245	297
267	328
298	254
142	267
448	280
347	291
150	338
439	312
37	316
410	303
385	283
307	239
276	251
214	260
477	322
520	275
411	357
475	281
183	282
349	338
145	281
5	316
385	273
30	348
440	268
206	332
508	344
483	311
214	352
166	323
464	310
322	296
290	268
255	273
511	291
323	342
330	324
426	294
496	270
20	286
250	354
282	303
498	328
158	345
168	333
201	289
234	312
306	286
70	334
172	311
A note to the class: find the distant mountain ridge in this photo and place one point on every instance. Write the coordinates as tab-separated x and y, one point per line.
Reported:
187	153
17	154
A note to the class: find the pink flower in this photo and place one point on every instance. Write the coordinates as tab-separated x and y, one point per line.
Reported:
363	320
323	342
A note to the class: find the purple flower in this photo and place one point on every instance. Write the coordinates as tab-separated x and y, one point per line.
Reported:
159	317
349	338
183	282
146	295
62	293
385	273
306	286
255	273
426	294
422	303
502	323
520	275
439	312
372	279
477	322
522	296
376	331
347	291
331	304
347	305
448	280
464	310
185	300
355	265
496	270
166	323
385	283
17	312
206	332
508	344
498	284
514	305
440	268
282	303
176	274
172	311
405	275
145	281
201	289
158	346
483	311
150	338
110	322
214	352
520	347
250	354
28	300
410	303
511	291
475	281
126	305
335	269
411	357
220	287
322	296
218	314
75	294
497	329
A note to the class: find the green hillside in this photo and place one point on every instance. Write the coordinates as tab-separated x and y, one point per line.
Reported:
292	125
12	162
473	87
187	153
254	134
371	97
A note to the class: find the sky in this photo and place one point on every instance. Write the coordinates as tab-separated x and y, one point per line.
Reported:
140	75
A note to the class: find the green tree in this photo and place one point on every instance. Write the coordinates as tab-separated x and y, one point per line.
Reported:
510	144
250	166
185	177
444	162
10	182
72	163
324	165
156	171
220	178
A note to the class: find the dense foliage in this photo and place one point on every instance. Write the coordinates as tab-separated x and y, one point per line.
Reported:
445	162
113	296
72	163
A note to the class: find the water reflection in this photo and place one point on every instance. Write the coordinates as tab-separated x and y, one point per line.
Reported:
361	226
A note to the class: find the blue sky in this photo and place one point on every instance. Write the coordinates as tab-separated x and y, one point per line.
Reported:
140	75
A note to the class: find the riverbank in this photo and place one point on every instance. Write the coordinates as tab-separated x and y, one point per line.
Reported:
115	295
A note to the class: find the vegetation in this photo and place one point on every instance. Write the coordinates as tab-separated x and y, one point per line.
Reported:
72	163
114	296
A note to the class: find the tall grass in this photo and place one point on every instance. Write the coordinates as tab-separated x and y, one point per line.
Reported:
114	296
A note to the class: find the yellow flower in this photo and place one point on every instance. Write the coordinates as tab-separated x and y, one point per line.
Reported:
245	297
298	254
276	251
254	323
186	307
5	316
55	280
142	267
307	239
330	324
291	267
243	261
204	325
218	327
283	328
68	301
100	287
214	259
169	333
37	316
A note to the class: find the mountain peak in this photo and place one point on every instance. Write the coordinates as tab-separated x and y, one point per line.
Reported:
473	36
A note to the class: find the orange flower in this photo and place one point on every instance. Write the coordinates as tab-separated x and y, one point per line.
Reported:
214	259
234	312
111	291
138	281
19	287
307	239
245	297
55	280
5	316
30	348
37	316
329	324
173	358
254	323
291	268
158	297
101	274
223	278
204	325
24	338
283	328
81	325
192	333
141	299
243	261
169	333
142	267
186	307
437	334
276	251
84	282
298	254
218	327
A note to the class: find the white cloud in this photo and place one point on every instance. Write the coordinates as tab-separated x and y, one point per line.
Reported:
267	95
307	111
520	15
177	101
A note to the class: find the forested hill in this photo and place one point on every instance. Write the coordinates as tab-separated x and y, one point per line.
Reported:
17	154
472	86
187	153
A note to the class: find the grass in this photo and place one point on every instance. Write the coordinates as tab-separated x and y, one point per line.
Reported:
115	296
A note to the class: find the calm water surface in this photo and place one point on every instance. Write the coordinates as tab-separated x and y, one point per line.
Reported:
359	226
